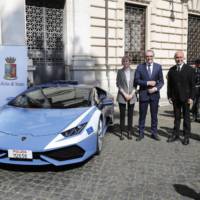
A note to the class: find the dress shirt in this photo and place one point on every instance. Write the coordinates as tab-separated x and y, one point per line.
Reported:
151	69
128	76
179	65
151	66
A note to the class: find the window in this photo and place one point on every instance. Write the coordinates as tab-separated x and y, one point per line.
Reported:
193	51
135	32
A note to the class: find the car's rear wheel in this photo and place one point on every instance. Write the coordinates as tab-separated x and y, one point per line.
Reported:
99	137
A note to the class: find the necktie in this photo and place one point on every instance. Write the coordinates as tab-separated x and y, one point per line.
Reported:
149	69
178	68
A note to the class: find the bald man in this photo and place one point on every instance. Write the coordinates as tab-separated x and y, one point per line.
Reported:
181	92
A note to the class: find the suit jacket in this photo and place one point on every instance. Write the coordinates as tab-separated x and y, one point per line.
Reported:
181	85
141	78
121	82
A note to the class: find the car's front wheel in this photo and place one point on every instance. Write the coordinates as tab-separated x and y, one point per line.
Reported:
99	137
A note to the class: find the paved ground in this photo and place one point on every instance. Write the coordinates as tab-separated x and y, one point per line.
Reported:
125	170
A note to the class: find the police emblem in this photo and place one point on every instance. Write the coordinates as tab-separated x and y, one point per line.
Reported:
10	69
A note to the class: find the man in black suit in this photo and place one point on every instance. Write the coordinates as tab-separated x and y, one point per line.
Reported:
180	92
196	104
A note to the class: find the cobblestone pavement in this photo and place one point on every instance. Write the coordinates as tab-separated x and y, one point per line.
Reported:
125	170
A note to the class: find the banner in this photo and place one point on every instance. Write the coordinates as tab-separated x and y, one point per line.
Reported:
13	71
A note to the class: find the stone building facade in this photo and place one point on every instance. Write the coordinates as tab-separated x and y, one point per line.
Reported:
85	39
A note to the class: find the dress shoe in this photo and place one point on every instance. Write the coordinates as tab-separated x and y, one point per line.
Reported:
185	141
121	136
173	138
129	136
155	137
139	138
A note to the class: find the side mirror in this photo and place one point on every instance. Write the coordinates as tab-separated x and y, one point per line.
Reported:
105	102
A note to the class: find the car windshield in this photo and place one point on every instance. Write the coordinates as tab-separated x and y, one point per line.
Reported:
54	97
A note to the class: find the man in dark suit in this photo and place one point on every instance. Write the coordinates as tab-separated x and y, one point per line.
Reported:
126	95
149	77
180	92
196	103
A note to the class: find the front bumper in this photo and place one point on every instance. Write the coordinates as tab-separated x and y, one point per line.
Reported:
75	153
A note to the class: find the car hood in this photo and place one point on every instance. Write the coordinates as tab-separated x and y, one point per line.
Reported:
36	122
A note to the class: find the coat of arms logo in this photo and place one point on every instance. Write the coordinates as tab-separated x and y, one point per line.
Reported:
10	69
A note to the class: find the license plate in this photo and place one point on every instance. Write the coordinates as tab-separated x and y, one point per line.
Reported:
20	154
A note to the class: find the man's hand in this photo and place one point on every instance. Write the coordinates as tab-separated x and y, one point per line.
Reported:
151	83
152	90
170	101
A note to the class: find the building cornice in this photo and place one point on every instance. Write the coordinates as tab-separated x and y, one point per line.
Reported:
194	12
139	1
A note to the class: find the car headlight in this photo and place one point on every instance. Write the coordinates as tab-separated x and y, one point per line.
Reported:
74	131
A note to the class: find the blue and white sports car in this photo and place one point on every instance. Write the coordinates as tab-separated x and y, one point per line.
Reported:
59	123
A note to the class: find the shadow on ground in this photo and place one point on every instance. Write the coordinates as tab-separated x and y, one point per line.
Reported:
115	130
186	191
163	132
168	131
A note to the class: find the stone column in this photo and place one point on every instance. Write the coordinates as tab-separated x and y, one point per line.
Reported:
77	41
68	36
1	10
12	22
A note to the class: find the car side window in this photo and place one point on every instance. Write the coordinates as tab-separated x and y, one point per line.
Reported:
101	93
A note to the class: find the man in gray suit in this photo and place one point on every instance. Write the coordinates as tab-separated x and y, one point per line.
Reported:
126	95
